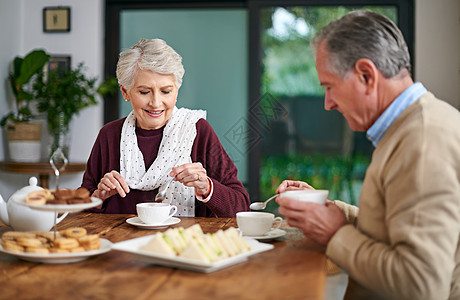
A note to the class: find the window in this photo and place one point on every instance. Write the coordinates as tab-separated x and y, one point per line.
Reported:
280	129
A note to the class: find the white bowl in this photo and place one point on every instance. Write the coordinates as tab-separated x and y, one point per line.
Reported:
315	196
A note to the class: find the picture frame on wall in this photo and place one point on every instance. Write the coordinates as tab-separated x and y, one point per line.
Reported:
59	63
56	19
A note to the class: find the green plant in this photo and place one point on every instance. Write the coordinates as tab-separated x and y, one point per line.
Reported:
63	95
337	173
24	69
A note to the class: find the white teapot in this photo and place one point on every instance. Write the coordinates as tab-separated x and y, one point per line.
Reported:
23	218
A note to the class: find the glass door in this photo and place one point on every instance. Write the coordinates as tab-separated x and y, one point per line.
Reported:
296	137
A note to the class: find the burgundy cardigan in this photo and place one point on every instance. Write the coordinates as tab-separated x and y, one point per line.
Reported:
229	195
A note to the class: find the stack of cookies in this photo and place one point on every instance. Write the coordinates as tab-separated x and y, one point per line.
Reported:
63	196
73	239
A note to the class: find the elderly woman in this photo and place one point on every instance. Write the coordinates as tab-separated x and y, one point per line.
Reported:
135	156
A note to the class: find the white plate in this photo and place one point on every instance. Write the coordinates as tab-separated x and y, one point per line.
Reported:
272	234
62	208
132	246
60	258
138	222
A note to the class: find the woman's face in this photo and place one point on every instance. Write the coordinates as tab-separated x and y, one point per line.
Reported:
153	97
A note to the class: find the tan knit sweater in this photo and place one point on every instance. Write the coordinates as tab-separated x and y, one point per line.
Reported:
403	242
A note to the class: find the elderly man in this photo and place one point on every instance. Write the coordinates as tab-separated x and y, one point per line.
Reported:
403	241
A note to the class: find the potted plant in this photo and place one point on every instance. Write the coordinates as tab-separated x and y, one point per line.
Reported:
23	135
62	96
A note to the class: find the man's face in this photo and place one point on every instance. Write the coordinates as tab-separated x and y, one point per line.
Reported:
348	95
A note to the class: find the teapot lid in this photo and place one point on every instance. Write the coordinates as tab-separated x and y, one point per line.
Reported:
22	193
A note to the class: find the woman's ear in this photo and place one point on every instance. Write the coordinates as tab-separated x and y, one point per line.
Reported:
367	73
124	92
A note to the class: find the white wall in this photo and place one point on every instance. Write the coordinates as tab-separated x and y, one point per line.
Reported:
21	23
437	59
437	48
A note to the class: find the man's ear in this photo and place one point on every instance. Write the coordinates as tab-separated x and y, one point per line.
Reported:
367	73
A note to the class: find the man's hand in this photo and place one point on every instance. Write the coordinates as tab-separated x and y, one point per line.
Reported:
317	222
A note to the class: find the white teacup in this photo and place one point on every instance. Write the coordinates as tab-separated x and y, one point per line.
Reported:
253	223
155	213
315	196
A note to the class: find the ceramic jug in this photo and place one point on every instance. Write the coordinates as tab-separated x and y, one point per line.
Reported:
23	218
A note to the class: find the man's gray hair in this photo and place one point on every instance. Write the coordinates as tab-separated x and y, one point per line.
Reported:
154	55
364	34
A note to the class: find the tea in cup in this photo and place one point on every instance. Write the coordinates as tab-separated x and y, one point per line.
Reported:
155	213
315	196
253	223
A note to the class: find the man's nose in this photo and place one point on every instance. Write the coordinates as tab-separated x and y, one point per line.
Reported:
329	104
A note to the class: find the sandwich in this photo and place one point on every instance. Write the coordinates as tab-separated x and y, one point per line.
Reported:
192	243
159	244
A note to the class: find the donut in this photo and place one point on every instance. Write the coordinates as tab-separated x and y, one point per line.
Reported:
74	232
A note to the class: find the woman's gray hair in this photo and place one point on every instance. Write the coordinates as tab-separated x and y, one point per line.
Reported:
364	34
154	55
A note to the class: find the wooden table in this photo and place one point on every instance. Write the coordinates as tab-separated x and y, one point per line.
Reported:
294	269
43	169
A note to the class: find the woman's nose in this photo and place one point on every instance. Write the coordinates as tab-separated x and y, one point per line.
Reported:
154	99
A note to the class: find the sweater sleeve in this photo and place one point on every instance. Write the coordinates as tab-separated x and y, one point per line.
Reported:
104	158
229	195
408	231
350	211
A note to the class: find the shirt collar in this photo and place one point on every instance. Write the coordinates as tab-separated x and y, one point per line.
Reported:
386	119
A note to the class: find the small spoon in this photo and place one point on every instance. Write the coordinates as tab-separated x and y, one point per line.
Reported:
262	205
57	158
162	194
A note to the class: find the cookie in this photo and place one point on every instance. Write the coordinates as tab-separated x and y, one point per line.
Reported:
66	243
13	235
28	242
78	249
37	250
90	242
12	246
81	193
58	250
74	232
63	194
39	197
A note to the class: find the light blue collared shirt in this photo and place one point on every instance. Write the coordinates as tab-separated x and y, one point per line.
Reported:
380	127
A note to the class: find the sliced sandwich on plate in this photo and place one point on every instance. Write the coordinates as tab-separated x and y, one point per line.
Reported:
192	243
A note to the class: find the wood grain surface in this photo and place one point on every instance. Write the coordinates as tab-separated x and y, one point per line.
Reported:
294	269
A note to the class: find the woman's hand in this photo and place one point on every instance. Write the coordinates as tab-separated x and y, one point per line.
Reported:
112	183
193	175
289	185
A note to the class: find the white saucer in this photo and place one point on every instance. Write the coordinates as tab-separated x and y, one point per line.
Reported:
138	222
272	234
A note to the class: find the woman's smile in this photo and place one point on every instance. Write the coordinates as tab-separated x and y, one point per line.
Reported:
153	97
